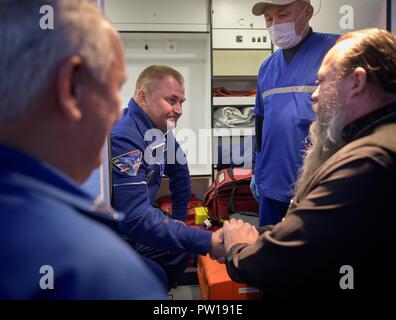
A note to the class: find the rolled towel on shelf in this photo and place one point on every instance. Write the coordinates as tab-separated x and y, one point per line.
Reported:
232	117
248	112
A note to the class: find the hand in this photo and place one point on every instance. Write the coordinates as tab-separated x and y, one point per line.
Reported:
238	231
254	189
217	251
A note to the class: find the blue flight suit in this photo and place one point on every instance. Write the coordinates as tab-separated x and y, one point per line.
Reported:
138	167
47	220
284	114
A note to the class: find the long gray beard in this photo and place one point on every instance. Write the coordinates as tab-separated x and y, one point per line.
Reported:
326	139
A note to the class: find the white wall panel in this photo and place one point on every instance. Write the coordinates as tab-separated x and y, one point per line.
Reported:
191	59
158	15
236	14
331	15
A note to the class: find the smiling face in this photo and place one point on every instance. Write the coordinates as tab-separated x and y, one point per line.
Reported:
163	102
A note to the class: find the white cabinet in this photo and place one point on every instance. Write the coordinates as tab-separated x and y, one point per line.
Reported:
332	16
240	43
158	15
235	14
241	39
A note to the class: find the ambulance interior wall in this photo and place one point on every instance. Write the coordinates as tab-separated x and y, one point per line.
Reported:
192	58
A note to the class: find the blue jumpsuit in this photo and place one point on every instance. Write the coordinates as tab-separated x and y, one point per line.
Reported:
138	167
284	114
47	220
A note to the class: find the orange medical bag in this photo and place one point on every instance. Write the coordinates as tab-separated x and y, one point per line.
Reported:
215	284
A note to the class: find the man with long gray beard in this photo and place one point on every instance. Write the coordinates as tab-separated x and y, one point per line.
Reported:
338	231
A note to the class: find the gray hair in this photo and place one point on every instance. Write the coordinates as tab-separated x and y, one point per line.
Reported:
30	55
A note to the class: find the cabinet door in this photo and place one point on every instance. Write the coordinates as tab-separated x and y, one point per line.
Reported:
335	16
241	39
158	15
236	14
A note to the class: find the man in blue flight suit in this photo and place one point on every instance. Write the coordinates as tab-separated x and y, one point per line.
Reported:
59	99
143	137
283	108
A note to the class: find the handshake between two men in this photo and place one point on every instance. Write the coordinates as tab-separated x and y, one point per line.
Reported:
234	232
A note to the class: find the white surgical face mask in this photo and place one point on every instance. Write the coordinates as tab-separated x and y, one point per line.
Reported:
284	35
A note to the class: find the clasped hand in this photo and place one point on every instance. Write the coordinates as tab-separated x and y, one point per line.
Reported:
232	233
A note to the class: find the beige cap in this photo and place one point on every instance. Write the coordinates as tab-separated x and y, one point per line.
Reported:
258	8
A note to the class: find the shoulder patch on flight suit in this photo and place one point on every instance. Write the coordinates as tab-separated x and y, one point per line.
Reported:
129	162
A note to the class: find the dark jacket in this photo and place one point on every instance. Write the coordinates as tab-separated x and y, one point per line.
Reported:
345	216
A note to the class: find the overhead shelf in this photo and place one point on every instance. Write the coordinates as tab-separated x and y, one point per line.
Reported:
234	101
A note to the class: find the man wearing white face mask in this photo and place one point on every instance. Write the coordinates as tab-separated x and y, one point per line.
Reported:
283	108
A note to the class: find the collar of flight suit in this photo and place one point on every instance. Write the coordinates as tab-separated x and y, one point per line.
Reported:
144	124
19	169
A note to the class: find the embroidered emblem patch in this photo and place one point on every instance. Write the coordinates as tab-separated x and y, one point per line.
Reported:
129	162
